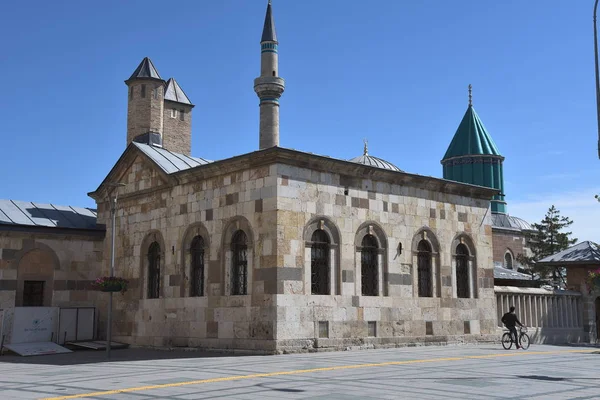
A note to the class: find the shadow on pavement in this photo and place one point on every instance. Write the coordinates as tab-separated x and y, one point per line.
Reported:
117	355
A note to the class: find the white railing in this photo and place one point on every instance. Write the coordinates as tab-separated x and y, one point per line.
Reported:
540	308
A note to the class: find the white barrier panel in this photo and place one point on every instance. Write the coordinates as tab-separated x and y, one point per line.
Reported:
33	325
36	349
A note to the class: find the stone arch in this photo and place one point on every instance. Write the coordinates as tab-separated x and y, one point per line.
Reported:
426	234
196	229
151	237
237	223
466	240
335	274
375	230
35	264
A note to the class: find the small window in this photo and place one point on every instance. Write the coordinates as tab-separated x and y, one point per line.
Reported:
319	262
274	73
508	260
182	115
424	269
154	271
173	113
131	93
33	294
143	91
155	93
239	264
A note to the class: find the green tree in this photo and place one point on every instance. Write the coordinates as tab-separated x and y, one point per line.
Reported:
547	239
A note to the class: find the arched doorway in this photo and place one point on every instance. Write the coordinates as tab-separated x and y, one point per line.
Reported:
597	307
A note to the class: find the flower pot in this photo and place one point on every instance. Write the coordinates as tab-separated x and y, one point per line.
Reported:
112	288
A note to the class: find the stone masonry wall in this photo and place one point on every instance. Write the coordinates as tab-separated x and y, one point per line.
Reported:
66	263
177	134
506	240
149	210
396	315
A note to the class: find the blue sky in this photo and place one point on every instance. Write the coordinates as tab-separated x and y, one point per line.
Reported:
393	71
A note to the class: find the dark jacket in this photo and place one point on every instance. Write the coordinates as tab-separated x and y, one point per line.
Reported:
510	320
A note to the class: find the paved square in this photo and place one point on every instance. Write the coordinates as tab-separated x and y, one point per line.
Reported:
449	372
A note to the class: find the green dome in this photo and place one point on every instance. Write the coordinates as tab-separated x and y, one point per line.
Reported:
471	138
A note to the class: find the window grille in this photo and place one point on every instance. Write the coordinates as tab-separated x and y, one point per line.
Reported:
197	267
424	269
239	264
508	260
462	271
319	263
369	266
154	271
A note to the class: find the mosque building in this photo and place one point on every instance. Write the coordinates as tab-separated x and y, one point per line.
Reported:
274	250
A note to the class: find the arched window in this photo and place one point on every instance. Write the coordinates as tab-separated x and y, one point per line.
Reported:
369	266
197	267
462	271
424	269
154	271
319	262
239	263
508	260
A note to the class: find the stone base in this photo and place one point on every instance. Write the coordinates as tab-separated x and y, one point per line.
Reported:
266	347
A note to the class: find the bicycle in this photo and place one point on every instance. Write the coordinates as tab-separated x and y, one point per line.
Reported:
507	339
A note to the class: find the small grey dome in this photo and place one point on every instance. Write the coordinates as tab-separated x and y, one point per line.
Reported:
506	221
372	161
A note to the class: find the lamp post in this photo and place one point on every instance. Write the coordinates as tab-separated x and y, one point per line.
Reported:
113	214
597	76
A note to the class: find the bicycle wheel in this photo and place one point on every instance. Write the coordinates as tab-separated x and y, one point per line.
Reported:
506	341
524	341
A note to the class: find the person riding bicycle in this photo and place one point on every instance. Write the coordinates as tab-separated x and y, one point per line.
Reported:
510	321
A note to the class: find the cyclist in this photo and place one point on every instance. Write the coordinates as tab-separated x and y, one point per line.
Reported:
510	321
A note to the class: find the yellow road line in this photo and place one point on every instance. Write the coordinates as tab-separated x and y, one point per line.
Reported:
305	371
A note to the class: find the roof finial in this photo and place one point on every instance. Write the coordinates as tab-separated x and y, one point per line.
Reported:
366	150
470	95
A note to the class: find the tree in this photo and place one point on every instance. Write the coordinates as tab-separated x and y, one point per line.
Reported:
546	240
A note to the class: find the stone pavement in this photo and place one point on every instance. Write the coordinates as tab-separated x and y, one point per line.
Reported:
448	372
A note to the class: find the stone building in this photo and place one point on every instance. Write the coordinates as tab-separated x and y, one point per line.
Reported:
281	250
49	254
276	249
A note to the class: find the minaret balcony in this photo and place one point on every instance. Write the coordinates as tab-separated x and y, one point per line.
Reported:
271	86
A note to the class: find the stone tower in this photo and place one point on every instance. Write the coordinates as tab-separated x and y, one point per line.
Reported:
177	120
145	102
269	86
473	157
158	112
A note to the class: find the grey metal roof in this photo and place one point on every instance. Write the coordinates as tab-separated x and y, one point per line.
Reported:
269	34
168	161
506	221
366	159
13	212
173	92
146	69
582	253
505	273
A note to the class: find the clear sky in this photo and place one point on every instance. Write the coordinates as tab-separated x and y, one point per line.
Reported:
393	71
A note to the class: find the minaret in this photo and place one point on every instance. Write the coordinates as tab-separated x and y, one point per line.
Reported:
269	86
146	104
473	157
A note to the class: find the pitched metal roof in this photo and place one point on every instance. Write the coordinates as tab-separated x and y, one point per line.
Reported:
13	212
471	138
168	161
505	221
582	253
269	34
505	273
173	92
146	69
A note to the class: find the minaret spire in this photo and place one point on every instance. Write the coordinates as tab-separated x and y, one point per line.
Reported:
269	86
470	95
